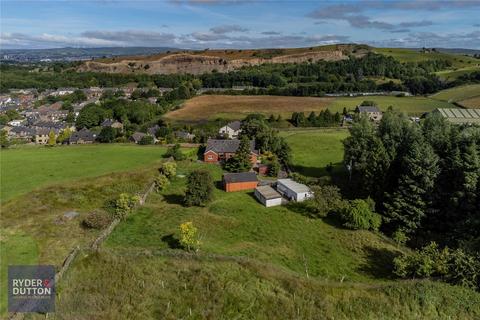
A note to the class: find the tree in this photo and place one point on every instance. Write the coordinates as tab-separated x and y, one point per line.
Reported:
199	188
169	169
175	152
406	206
107	135
124	205
161	182
358	214
4	142
64	135
51	138
326	199
241	161
189	236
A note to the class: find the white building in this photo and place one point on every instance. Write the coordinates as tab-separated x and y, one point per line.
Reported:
16	123
293	190
231	130
268	196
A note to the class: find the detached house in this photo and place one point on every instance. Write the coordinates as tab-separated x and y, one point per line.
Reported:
83	136
231	130
222	150
372	112
113	124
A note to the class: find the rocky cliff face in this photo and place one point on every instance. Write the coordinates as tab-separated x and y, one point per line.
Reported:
198	64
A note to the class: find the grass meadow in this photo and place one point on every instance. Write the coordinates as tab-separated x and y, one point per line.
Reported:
457	94
314	149
26	168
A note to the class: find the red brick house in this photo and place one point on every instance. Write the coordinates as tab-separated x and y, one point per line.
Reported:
222	150
240	181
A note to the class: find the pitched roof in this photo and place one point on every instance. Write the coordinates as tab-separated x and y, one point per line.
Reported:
84	134
226	146
368	109
235	125
137	136
268	192
240	177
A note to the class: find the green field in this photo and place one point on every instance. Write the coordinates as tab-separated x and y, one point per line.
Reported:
455	73
457	94
314	149
27	168
408	55
409	105
254	263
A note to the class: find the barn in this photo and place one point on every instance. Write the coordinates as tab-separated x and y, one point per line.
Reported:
240	181
268	196
293	190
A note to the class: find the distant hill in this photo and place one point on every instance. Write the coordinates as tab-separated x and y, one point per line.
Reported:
198	62
75	54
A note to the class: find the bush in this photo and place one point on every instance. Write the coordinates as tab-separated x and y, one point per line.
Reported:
161	182
358	214
454	266
168	169
326	199
124	205
199	188
148	139
175	153
97	220
189	236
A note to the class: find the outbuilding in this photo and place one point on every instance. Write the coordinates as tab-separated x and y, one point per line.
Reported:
293	190
268	196
240	181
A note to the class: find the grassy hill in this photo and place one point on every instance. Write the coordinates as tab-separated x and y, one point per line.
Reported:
26	168
467	95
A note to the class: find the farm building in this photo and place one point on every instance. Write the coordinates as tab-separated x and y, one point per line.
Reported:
293	190
222	150
460	116
240	181
372	112
231	130
268	196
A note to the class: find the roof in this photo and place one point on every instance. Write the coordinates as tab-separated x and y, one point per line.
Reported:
137	136
368	109
109	122
240	177
22	129
294	186
458	115
223	146
268	192
84	134
235	125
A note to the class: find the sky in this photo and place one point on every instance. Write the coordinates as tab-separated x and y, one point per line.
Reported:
200	24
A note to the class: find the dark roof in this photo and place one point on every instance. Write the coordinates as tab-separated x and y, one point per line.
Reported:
368	109
109	122
84	134
153	130
137	136
22	130
235	125
240	177
230	146
184	135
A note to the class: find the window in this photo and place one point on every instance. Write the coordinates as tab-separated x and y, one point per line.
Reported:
209	157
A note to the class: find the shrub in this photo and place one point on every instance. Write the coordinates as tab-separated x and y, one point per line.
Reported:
326	199
358	214
189	236
148	139
175	153
299	178
124	205
161	182
400	237
168	169
273	167
97	220
199	188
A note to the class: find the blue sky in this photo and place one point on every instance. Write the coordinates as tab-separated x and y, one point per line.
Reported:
238	23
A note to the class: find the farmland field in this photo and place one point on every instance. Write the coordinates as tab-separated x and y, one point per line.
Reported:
457	94
453	74
471	102
24	169
211	107
314	149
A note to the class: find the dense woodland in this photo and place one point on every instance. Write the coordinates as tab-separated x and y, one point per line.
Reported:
302	79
